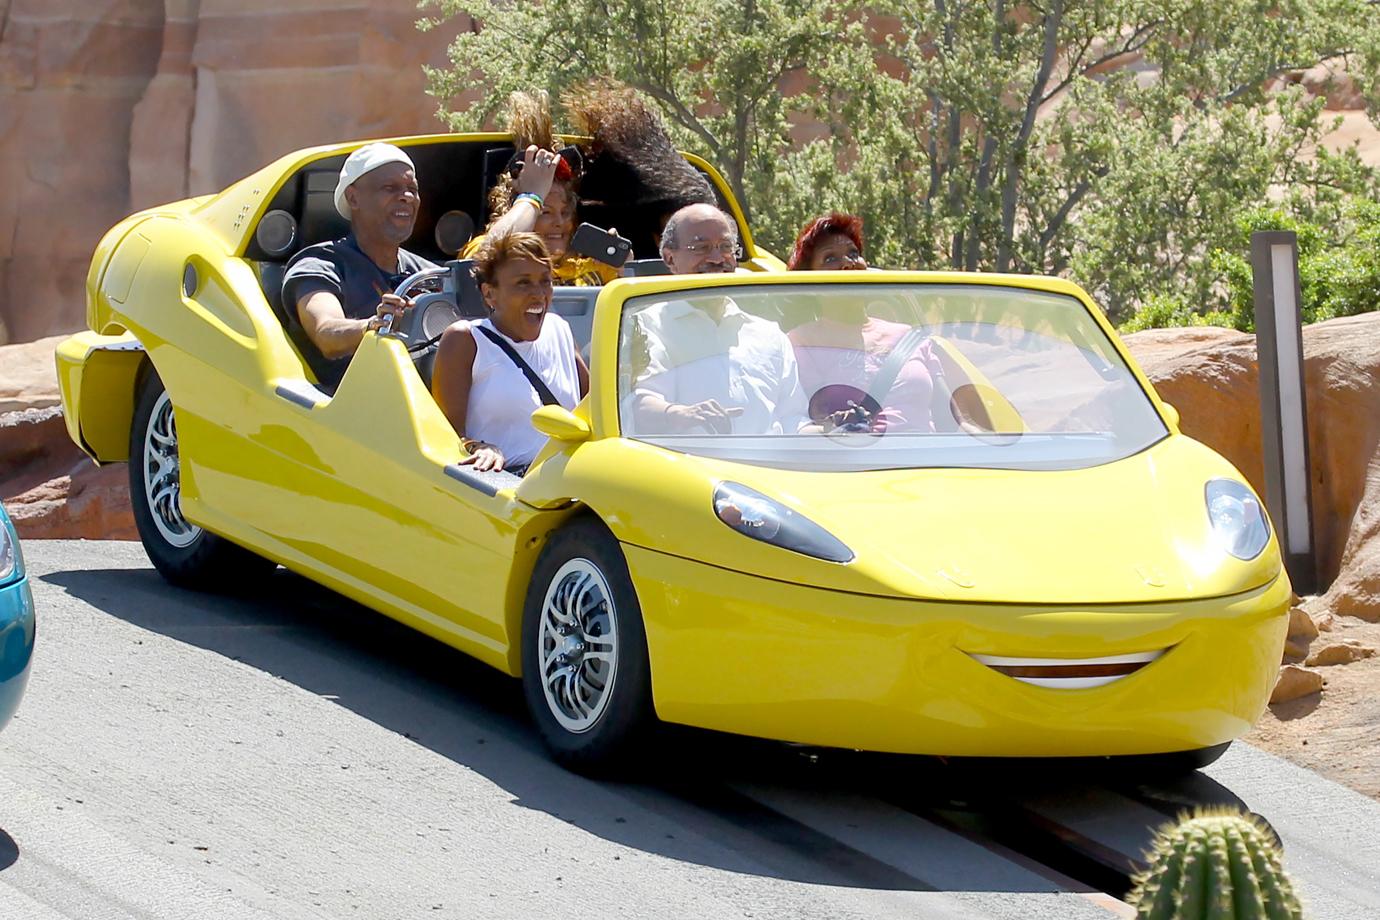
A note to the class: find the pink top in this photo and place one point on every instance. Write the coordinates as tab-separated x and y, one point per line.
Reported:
831	352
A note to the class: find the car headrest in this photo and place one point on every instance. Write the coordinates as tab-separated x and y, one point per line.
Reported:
320	220
640	268
468	298
495	161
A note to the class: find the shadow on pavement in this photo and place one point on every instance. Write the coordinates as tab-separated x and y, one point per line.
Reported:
473	715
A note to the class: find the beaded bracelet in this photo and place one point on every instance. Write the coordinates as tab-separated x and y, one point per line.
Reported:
531	198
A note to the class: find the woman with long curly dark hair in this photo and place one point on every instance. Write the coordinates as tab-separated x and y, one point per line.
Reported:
634	176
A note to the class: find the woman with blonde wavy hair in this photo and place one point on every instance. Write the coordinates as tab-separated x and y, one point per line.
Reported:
543	195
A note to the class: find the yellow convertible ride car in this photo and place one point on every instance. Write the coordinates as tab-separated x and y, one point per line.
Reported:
961	522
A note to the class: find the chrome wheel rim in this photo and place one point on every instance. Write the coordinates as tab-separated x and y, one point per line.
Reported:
577	645
163	477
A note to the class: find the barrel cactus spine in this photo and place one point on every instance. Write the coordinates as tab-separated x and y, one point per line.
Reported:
1215	864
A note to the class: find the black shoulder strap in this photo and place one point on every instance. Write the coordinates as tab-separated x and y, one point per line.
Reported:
543	391
891	368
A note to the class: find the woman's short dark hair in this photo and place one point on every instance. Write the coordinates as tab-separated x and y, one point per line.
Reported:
815	231
495	250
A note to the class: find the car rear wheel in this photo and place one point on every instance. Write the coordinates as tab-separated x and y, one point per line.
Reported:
584	652
182	552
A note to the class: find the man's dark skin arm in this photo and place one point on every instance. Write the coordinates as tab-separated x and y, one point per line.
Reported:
334	334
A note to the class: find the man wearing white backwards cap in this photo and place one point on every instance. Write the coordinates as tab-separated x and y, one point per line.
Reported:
339	290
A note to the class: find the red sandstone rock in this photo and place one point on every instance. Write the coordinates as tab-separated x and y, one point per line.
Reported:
92	503
1301	625
1295	682
51	489
28	377
34	447
1335	85
108	106
1344	652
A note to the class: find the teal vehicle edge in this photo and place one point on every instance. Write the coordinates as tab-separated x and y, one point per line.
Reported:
18	623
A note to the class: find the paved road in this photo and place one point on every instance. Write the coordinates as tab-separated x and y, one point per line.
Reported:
189	756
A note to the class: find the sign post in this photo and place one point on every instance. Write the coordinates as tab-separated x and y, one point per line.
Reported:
1283	414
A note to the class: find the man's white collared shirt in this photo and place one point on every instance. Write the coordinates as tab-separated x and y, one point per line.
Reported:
743	361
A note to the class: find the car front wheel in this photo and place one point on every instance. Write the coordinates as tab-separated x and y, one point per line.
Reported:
182	552
584	653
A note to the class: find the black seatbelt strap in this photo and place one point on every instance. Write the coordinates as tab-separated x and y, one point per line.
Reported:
543	391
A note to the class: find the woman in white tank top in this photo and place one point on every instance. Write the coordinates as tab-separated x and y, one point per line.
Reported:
481	390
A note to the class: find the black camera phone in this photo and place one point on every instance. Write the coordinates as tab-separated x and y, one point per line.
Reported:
609	248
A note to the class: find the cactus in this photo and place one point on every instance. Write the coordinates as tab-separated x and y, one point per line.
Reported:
1215	865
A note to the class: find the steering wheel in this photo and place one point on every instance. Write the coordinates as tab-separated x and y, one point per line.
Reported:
430	314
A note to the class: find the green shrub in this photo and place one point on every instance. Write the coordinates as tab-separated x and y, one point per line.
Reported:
1165	310
1339	266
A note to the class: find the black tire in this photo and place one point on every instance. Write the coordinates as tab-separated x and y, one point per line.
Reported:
606	744
183	553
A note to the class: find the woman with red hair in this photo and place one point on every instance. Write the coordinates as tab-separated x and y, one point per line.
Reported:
860	371
831	243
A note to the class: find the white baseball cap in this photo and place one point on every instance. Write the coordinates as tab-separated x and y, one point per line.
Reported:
364	160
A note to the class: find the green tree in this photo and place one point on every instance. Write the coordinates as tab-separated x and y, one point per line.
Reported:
1115	141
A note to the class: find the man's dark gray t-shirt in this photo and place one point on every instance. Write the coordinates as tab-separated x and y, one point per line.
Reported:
340	268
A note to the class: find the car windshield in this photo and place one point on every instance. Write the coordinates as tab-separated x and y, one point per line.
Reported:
879	376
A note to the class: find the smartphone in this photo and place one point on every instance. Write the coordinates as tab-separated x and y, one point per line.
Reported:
609	248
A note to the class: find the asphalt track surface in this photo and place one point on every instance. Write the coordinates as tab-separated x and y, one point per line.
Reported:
287	754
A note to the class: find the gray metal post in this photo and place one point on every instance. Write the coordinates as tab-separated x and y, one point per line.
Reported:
1283	415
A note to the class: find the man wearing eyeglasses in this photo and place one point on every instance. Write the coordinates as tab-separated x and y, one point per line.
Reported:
711	367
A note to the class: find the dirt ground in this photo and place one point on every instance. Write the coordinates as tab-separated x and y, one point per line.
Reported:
1335	732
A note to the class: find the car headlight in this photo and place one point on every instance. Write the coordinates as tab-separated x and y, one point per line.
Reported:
751	513
9	552
1237	518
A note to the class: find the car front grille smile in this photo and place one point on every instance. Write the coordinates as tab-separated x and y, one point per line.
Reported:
1069	673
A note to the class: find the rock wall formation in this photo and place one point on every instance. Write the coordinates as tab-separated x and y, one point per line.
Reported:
108	106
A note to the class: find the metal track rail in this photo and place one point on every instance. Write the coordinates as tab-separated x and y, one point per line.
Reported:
1080	828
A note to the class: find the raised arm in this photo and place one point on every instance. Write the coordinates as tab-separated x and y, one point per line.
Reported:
538	172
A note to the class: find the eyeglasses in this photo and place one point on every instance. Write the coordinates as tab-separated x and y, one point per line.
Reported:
723	247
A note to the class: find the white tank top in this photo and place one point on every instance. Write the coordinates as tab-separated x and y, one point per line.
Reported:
501	398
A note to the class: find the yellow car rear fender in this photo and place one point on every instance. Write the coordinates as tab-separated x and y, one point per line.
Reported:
98	376
195	307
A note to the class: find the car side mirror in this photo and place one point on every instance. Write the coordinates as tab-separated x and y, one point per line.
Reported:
1171	414
560	424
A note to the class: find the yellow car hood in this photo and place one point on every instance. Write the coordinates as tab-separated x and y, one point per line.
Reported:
1133	531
